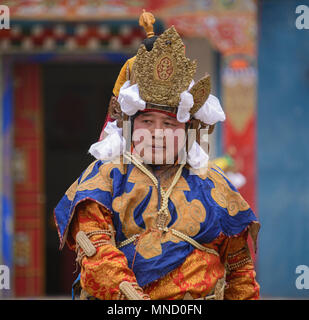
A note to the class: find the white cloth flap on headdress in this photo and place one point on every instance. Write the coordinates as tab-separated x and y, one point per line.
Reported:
186	103
112	127
129	99
197	157
211	112
111	146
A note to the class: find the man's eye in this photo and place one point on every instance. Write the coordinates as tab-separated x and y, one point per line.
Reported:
169	124
146	121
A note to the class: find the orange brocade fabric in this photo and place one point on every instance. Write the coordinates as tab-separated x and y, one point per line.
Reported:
102	273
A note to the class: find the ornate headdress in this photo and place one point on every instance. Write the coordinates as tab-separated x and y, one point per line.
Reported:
161	78
163	73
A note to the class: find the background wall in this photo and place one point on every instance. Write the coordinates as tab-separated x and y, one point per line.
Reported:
283	152
200	49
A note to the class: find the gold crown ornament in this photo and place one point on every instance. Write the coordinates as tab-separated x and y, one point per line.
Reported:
163	73
146	20
200	92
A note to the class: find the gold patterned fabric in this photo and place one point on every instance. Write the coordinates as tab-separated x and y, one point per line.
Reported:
198	272
102	274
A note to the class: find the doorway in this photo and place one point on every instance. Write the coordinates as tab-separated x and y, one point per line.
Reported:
75	101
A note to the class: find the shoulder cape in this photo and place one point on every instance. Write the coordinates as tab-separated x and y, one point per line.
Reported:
210	203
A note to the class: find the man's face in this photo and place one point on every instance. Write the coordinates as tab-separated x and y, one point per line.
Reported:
158	137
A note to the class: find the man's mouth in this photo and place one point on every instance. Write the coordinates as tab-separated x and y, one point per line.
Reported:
155	147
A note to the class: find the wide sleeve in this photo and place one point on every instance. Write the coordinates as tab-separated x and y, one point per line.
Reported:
102	273
241	275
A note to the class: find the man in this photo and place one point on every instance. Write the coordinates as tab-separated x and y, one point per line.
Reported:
151	218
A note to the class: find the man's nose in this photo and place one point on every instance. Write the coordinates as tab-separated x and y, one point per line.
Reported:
159	125
158	133
156	127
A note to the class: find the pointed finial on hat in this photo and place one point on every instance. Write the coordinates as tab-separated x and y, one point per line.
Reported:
146	20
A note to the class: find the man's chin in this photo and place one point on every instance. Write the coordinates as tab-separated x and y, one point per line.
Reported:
158	160
157	156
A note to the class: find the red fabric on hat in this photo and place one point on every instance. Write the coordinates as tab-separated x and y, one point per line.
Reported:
161	111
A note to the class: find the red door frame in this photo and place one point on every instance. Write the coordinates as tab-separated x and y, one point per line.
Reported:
28	240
